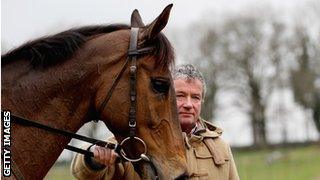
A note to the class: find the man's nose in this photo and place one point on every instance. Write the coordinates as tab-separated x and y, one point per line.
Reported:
187	103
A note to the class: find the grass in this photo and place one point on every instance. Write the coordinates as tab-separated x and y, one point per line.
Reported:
301	163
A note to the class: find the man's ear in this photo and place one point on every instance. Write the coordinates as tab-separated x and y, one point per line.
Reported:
152	30
136	20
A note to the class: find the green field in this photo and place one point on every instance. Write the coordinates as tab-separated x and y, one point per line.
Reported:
301	163
282	164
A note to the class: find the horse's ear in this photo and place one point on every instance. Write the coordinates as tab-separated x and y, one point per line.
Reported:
136	20
153	29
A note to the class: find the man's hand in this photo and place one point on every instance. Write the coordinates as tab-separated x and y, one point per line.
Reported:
104	155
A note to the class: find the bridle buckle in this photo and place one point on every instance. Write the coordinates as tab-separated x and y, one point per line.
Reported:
132	124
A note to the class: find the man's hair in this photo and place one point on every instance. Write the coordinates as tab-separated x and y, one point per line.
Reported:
189	71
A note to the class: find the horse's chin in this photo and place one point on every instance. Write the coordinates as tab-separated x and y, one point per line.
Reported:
147	172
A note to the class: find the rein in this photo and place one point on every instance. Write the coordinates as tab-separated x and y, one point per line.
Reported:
27	122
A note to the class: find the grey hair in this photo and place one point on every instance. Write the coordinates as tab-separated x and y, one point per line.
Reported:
189	71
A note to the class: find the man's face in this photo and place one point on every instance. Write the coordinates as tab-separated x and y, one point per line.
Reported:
189	99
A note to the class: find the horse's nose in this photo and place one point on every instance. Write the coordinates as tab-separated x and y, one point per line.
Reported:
182	176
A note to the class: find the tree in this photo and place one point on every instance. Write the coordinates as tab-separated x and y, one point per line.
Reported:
233	51
303	78
205	61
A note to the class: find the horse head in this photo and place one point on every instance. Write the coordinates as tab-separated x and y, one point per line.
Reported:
155	113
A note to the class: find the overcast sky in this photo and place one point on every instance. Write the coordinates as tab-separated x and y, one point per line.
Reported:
25	20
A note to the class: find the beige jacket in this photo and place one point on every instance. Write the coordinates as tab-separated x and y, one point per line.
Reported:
208	157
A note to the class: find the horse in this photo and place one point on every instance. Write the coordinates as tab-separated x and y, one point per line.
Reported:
62	81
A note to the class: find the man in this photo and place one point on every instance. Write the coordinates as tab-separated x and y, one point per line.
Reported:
208	156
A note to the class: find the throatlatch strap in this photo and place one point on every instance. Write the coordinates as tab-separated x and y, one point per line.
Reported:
114	84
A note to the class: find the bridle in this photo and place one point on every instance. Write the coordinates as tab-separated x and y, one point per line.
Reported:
132	57
133	54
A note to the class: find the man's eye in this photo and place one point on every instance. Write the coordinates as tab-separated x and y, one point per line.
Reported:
196	97
179	96
160	85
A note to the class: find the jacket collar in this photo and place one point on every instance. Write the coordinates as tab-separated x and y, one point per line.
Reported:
203	129
206	129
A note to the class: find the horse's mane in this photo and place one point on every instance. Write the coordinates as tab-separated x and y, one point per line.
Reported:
50	50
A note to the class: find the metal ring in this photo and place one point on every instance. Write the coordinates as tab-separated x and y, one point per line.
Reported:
123	154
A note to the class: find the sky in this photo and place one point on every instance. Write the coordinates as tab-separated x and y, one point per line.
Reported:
22	21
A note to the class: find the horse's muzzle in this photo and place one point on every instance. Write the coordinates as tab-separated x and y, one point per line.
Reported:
183	176
150	171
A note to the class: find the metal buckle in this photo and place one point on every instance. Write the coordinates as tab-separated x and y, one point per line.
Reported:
142	155
132	123
133	69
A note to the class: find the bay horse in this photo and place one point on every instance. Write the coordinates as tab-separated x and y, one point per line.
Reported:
63	80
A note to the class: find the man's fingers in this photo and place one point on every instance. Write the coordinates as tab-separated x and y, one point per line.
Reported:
98	154
114	157
107	156
104	155
95	153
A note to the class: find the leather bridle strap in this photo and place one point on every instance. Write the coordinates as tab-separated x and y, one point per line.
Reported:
114	84
133	80
133	52
27	122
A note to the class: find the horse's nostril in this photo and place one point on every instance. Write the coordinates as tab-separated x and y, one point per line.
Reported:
182	176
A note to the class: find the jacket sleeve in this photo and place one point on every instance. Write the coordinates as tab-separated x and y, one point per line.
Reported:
81	170
233	173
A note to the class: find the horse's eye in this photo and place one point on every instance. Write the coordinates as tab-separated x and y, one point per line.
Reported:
160	85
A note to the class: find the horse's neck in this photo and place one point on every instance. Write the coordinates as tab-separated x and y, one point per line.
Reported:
35	152
60	97
48	102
